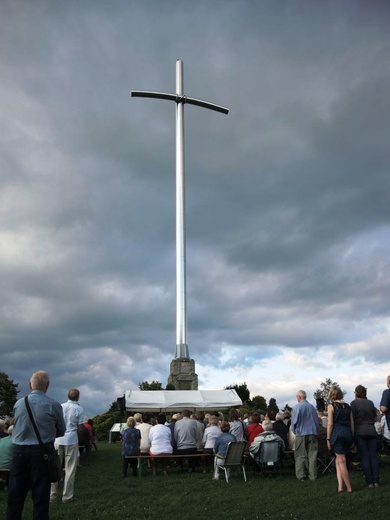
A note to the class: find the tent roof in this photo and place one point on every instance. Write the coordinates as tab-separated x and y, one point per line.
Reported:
175	400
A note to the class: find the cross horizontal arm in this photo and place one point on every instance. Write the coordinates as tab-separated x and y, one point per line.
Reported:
150	94
179	99
205	104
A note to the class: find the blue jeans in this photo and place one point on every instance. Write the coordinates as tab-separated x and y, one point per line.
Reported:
367	449
28	471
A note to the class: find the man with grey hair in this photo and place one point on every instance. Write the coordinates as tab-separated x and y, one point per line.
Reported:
186	437
68	445
273	454
304	424
28	468
200	426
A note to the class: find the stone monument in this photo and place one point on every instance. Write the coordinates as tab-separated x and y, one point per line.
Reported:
182	374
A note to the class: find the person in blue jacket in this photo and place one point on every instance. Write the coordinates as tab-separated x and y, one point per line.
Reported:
221	446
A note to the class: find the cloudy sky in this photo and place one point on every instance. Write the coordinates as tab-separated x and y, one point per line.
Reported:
288	211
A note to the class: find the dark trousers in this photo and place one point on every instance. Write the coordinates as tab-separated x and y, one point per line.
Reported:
367	450
191	460
28	471
133	463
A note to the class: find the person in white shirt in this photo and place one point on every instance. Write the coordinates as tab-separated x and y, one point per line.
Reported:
211	433
68	445
160	440
237	427
144	428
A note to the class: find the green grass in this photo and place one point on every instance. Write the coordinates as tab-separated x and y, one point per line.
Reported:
103	494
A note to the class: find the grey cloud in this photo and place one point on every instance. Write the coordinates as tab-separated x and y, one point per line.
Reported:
287	215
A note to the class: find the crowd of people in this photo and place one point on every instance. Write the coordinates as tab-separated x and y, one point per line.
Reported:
308	433
185	434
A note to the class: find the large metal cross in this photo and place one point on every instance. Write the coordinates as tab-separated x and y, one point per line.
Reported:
182	351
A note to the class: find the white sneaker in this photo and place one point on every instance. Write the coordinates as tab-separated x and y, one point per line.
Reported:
53	498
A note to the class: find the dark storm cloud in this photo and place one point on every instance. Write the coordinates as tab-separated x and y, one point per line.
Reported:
287	211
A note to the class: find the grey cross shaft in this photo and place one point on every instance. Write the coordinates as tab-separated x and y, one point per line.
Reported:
180	99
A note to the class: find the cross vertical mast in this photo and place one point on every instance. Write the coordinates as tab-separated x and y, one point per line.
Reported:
181	351
181	279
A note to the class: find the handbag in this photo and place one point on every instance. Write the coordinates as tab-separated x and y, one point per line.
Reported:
50	455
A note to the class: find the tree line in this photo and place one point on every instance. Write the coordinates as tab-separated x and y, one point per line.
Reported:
104	422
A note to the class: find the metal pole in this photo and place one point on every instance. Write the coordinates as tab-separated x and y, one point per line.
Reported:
182	351
181	292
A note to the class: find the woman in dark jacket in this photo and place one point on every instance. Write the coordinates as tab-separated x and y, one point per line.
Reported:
364	416
131	441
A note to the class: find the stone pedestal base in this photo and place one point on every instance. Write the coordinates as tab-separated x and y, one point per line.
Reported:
182	375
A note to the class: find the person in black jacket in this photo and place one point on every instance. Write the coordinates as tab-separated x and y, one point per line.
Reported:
281	428
364	416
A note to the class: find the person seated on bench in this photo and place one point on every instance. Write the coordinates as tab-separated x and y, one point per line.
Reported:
201	427
3	430
237	427
211	433
131	441
144	428
160	440
254	428
281	428
186	437
6	448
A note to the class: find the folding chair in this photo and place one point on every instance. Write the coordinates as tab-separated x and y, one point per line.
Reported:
234	458
325	458
269	455
326	463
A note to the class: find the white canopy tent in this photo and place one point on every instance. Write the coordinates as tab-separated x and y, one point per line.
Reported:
176	400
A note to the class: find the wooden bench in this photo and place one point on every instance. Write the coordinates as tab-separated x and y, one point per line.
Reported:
170	456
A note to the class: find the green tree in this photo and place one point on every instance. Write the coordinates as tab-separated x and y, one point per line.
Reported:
104	422
323	391
170	386
259	403
154	385
8	394
272	405
242	391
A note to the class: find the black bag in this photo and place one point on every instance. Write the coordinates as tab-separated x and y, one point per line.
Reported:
50	455
54	466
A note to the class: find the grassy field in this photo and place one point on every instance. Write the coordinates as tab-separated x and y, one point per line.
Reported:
103	494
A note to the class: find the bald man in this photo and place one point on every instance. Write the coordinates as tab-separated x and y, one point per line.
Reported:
28	468
304	423
68	445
